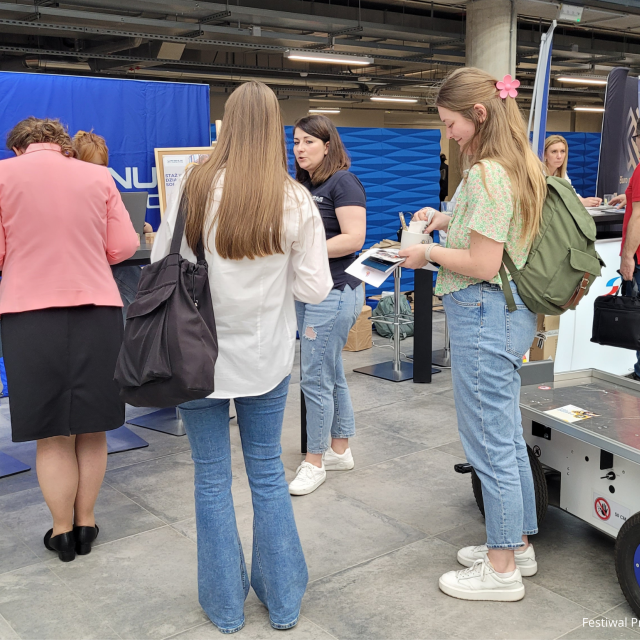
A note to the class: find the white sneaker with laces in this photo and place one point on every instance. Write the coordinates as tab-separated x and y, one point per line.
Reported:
482	582
338	461
525	561
308	479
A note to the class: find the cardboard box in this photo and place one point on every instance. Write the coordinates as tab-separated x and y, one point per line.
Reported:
545	342
360	335
548	323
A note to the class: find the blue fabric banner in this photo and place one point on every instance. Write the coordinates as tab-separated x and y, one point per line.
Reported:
133	116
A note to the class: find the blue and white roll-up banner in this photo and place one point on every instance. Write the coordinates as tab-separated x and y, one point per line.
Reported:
540	99
133	116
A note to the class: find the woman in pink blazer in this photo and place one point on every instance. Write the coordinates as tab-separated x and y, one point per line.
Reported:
62	224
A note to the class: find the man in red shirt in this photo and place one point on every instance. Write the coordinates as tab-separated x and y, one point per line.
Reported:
630	254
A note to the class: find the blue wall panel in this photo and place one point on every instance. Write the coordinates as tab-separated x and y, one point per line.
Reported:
400	171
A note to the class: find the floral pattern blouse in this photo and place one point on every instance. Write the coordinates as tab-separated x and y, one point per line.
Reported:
489	211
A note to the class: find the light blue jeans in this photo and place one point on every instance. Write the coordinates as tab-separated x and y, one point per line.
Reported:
324	329
278	568
487	345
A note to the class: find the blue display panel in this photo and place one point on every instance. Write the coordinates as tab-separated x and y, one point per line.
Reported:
134	117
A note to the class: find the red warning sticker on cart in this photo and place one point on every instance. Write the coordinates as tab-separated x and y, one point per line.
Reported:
603	510
606	510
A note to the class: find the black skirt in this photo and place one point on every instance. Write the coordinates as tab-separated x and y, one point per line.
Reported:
60	364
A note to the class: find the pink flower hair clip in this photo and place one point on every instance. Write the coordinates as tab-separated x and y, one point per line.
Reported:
507	86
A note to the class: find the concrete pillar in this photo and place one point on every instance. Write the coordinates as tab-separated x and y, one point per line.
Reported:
491	36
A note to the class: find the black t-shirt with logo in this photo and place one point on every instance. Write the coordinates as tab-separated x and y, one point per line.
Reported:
342	189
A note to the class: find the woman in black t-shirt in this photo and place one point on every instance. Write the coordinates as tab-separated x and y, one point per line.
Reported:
322	165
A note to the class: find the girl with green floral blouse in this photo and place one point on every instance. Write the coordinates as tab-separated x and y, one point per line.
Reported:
498	208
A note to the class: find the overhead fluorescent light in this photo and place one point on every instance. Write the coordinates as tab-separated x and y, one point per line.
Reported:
569	12
324	110
391	99
579	80
592	109
334	58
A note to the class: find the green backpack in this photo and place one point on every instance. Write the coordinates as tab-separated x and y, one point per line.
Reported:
385	308
563	262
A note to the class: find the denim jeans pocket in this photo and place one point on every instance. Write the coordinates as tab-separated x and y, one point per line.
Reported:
471	296
520	330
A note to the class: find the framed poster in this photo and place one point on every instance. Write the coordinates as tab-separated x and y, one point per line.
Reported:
171	163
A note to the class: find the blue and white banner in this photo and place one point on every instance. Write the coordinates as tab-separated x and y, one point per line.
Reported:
540	99
133	116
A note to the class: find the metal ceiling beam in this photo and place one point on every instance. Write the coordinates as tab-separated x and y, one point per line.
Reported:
133	59
407	34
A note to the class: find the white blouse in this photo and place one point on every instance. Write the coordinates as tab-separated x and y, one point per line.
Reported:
253	300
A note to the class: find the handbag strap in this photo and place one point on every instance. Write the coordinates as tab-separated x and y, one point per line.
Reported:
178	232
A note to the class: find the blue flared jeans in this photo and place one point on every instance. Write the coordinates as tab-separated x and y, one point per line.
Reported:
278	568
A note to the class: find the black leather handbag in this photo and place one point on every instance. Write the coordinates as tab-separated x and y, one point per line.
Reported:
170	345
616	320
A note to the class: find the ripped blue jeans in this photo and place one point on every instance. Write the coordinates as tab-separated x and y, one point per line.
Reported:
323	330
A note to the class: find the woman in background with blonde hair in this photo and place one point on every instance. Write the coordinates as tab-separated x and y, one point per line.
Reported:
90	147
499	207
556	156
265	246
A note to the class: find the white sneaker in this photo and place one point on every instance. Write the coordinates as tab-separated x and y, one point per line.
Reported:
525	561
338	461
481	582
308	479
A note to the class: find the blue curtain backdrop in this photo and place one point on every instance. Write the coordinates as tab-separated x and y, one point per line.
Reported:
133	116
400	171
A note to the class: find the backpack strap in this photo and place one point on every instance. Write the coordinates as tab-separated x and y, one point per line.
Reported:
506	287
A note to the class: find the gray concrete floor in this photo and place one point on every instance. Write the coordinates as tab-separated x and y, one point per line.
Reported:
376	540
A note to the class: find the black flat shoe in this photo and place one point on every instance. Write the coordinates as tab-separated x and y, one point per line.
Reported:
84	538
64	544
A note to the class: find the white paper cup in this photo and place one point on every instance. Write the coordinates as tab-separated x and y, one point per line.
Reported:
409	239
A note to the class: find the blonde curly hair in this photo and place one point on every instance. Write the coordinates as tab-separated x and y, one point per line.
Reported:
36	130
88	144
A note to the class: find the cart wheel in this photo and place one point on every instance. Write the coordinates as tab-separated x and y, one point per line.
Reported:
539	485
627	555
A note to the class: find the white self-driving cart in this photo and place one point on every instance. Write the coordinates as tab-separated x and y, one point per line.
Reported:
584	429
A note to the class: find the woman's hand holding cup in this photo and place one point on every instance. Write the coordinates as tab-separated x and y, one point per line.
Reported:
435	220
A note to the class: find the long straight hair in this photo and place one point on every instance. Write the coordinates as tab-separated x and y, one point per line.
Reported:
337	159
502	137
251	151
561	171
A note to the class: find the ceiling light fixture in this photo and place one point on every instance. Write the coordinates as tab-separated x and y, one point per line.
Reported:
324	110
390	99
592	109
332	58
578	80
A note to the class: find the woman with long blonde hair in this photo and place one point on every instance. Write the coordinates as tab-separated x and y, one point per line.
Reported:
499	208
265	246
556	156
